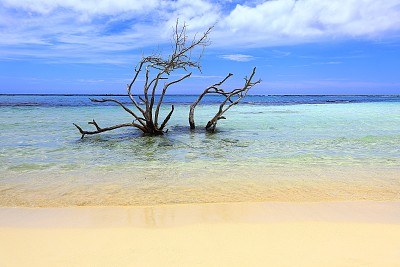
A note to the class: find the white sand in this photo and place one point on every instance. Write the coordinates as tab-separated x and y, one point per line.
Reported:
254	234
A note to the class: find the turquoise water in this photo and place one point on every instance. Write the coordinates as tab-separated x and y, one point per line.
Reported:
280	150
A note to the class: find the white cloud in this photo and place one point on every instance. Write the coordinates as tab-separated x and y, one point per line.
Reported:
285	22
238	57
76	29
111	29
90	7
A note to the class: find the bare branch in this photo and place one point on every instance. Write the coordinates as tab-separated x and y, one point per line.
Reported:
167	118
153	92
95	124
119	103
163	94
233	97
211	89
129	87
100	130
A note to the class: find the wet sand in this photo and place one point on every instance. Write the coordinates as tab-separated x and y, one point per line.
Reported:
232	234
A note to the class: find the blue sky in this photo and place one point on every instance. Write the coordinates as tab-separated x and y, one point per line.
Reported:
299	47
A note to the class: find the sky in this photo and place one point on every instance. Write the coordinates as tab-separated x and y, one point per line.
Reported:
298	46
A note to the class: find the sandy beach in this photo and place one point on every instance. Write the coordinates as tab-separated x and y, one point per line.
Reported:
231	234
199	133
314	184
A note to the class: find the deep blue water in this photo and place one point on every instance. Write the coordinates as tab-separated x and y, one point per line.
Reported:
84	100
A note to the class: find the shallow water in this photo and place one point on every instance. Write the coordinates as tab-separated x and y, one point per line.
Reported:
266	150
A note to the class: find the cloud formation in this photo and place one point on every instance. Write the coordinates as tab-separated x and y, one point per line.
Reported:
83	30
94	31
238	57
286	22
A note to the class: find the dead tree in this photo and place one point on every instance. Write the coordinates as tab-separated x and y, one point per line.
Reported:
146	115
213	89
231	98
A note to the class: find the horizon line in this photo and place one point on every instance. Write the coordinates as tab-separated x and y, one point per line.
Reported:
29	94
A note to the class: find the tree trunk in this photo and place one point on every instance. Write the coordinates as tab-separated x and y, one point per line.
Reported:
191	116
210	127
152	130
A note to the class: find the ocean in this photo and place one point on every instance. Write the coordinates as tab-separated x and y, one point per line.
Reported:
269	148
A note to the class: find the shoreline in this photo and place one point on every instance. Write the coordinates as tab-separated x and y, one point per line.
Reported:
172	215
193	183
362	233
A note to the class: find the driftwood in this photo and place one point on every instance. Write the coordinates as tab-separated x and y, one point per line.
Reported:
231	98
155	69
100	130
146	115
213	89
